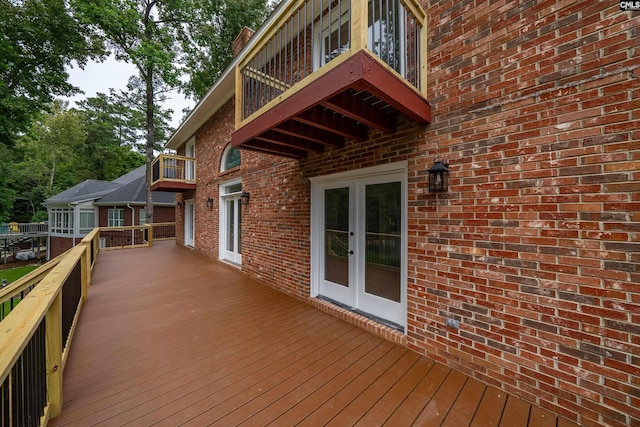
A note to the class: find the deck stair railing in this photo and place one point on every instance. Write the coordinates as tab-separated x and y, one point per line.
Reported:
38	316
315	36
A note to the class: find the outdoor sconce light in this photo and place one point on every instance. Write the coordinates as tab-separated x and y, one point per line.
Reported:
210	202
439	177
245	198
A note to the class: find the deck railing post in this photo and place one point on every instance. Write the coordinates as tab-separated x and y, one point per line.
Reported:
53	343
149	229
85	265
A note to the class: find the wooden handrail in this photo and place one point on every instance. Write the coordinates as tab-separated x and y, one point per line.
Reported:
28	280
45	303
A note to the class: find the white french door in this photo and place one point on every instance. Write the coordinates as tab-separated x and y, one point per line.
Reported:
359	242
189	223
231	222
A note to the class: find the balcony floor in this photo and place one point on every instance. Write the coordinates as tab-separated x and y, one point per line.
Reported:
169	337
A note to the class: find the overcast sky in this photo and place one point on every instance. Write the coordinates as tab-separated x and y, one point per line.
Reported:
101	76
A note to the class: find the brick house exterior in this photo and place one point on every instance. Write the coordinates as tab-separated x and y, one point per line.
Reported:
77	210
534	249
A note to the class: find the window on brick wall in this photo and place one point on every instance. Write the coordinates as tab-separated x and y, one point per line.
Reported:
230	158
116	217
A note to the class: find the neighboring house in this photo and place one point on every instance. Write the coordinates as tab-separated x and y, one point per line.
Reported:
307	166
74	212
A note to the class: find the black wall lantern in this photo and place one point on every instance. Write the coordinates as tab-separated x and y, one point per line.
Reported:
245	198
210	202
439	177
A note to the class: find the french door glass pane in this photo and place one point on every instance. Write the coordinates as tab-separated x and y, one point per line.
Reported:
383	243
336	235
230	224
239	227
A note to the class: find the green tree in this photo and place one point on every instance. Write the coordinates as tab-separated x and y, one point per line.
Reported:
7	194
114	133
40	38
143	33
207	39
48	158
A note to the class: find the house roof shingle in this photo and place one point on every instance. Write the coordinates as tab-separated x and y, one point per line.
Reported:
126	189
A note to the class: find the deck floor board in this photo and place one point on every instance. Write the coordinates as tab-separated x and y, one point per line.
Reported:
169	337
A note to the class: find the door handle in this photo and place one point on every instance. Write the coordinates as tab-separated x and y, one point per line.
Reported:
350	252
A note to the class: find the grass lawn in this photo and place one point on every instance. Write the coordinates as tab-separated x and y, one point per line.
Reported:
12	275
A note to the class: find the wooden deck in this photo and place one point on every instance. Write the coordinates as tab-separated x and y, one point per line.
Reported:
169	337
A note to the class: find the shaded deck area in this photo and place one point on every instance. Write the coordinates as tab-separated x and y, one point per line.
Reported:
169	337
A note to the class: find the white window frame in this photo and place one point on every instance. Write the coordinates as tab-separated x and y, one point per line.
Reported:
87	229
61	221
112	220
223	161
190	166
142	216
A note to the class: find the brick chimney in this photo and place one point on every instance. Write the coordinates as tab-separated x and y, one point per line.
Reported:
241	40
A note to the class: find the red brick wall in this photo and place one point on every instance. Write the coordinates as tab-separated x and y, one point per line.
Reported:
58	245
535	248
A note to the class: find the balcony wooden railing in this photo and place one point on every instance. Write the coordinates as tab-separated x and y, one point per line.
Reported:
173	173
328	71
315	36
38	316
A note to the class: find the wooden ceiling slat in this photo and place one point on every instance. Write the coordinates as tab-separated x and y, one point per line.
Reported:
355	108
290	141
326	120
311	133
270	148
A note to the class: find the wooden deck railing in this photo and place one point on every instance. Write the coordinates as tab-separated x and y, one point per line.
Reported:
38	315
35	337
314	36
173	168
30	228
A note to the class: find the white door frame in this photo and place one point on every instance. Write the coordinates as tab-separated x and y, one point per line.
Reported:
189	222
355	298
225	199
190	166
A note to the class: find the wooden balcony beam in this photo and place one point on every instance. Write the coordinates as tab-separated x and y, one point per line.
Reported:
290	141
311	133
350	106
329	121
271	148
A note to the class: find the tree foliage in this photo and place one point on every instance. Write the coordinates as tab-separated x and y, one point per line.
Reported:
39	39
208	37
64	148
143	33
154	35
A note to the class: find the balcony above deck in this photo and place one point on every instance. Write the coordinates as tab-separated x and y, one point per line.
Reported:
173	173
345	103
328	71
